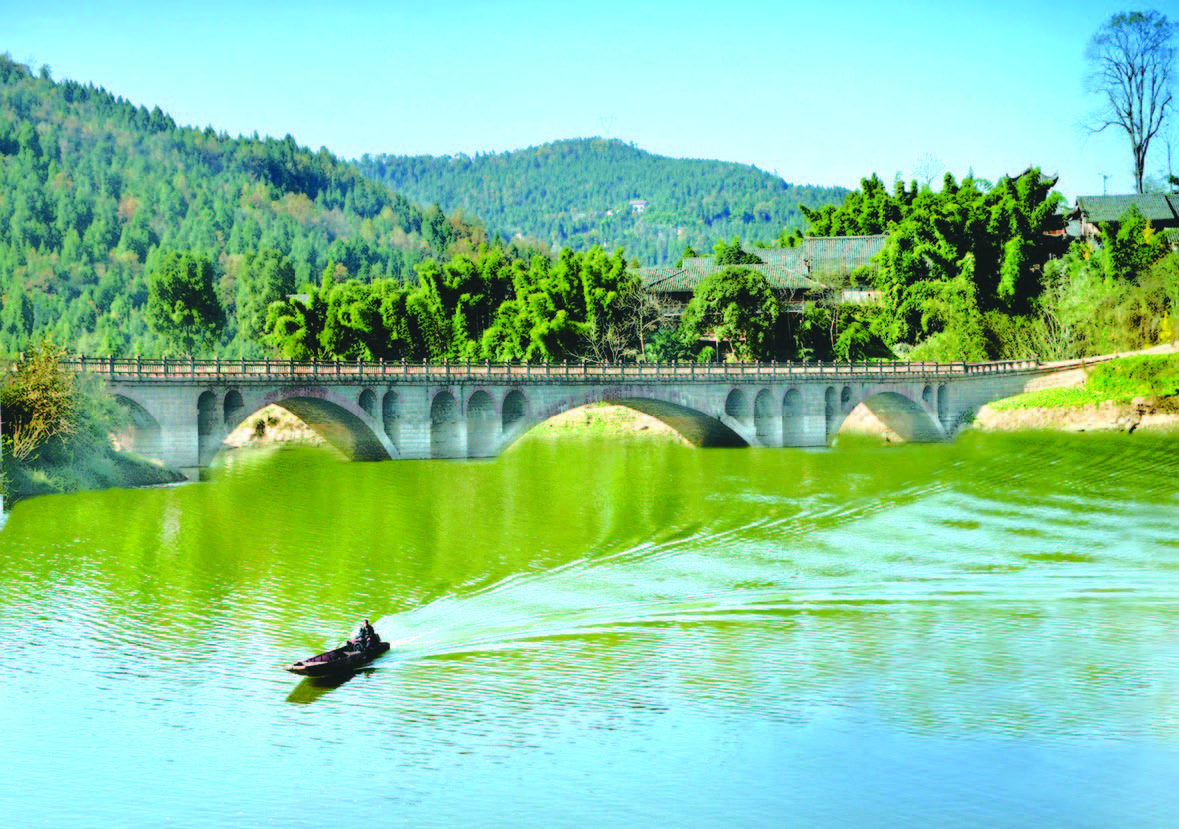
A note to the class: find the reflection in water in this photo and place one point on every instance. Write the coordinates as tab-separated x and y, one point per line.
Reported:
312	688
622	636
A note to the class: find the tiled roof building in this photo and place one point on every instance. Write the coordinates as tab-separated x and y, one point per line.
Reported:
1161	209
685	278
818	265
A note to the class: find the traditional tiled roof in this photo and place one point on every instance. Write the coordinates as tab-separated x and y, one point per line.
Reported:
834	257
1157	207
685	279
815	263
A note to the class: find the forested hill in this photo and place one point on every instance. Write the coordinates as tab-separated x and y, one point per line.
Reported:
579	193
93	187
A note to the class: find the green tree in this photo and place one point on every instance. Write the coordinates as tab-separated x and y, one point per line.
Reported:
40	402
17	316
182	304
1132	249
265	277
864	212
950	317
734	306
469	290
608	288
436	230
734	254
294	325
1002	231
138	237
545	319
413	319
353	326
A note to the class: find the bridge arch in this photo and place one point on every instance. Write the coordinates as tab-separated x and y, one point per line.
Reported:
906	418
367	402
831	413
737	405
515	408
793	426
444	426
140	432
338	421
210	426
391	418
696	426
480	425
232	408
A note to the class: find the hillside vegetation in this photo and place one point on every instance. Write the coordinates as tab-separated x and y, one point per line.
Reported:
579	193
93	189
122	233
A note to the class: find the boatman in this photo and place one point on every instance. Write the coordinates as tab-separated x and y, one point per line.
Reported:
368	635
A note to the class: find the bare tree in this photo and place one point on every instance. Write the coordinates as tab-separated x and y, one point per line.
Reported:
623	334
642	312
1131	60
928	168
604	343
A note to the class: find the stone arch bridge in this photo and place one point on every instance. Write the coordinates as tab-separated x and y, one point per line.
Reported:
182	410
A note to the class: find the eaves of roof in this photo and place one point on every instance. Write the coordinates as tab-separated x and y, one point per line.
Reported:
685	279
1157	207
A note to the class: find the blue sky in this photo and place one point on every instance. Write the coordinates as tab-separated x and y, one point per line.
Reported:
820	93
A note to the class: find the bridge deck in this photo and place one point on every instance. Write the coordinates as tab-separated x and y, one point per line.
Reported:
360	371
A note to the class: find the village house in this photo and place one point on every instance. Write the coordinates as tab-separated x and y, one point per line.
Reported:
820	267
1160	209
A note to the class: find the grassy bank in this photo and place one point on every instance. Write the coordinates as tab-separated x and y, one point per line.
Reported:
98	470
1153	377
1128	394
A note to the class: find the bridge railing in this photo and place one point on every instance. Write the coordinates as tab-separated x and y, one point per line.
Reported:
358	371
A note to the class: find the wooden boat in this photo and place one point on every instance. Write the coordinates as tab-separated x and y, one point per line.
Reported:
338	661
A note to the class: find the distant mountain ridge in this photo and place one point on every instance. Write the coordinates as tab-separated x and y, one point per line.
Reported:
581	192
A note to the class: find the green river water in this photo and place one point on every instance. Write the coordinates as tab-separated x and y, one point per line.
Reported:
606	634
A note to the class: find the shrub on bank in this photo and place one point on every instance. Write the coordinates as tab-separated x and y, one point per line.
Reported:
56	432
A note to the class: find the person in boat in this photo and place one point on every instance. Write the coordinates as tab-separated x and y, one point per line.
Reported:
367	636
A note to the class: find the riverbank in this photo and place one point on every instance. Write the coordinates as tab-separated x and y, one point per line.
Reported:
107	470
1148	414
1127	394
